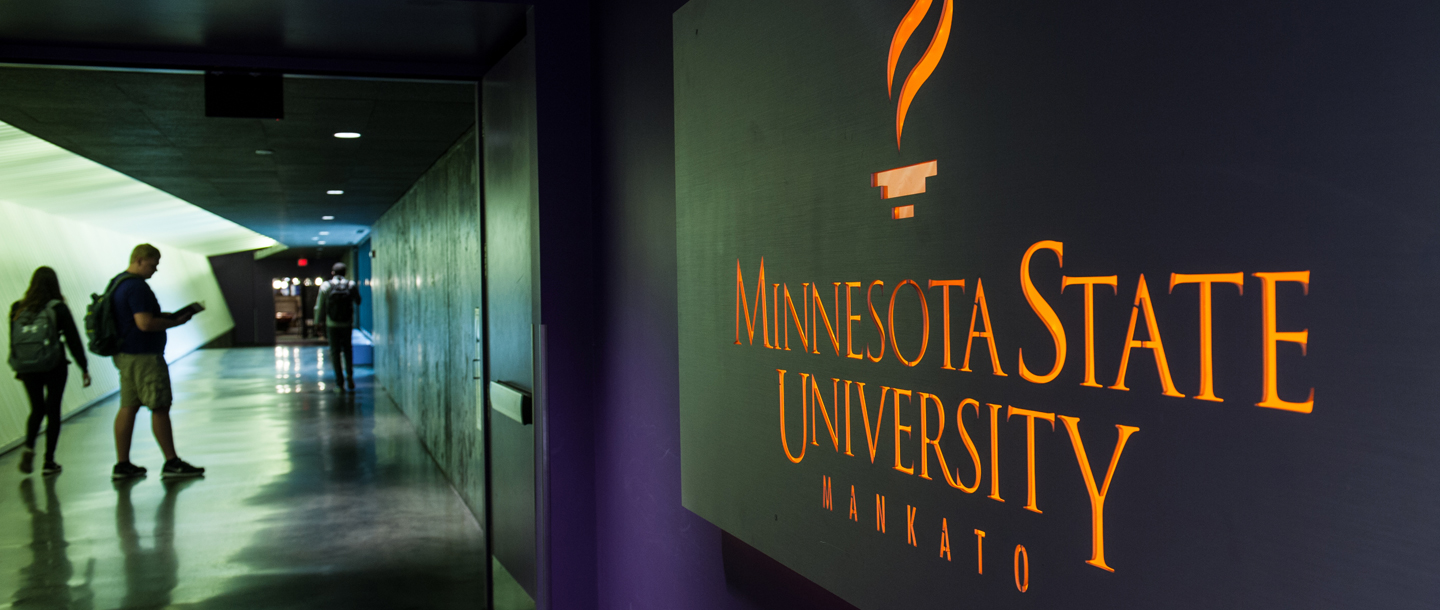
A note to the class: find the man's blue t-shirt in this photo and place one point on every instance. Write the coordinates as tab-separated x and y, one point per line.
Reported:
132	297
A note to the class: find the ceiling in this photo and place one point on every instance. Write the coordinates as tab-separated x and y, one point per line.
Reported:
146	118
437	38
152	127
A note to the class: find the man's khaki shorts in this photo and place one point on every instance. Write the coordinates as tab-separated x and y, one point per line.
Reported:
144	380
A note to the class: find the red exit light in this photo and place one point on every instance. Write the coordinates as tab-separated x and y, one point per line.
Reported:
304	262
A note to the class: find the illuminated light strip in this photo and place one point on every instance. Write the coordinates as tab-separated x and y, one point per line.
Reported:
904	211
902	181
39	175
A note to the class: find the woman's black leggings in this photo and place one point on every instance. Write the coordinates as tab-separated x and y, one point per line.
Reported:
45	390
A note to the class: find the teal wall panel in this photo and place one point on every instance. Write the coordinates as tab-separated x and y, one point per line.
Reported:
426	283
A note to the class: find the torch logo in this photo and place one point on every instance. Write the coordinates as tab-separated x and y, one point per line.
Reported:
910	180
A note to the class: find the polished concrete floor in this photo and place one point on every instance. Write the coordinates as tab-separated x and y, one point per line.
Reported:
311	499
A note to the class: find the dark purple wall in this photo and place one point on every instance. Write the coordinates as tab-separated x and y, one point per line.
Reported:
568	303
650	552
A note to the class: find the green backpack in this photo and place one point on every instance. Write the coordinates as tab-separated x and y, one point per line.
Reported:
35	345
102	330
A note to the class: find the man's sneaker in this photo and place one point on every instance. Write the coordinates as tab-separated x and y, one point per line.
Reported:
126	470
351	383
51	468
178	468
27	460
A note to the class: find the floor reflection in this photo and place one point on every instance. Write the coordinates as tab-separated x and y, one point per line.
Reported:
45	583
150	574
312	499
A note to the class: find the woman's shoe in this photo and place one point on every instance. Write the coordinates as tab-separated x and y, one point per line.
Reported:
27	460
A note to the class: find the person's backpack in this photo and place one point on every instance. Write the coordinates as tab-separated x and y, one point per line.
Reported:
102	330
35	345
340	303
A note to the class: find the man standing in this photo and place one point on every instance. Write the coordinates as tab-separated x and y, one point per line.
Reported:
335	316
144	376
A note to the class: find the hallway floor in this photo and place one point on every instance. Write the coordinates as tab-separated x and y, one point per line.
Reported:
311	499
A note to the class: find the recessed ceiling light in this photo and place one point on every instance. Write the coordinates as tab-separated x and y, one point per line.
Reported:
314	239
327	218
324	232
322	243
347	135
334	192
264	152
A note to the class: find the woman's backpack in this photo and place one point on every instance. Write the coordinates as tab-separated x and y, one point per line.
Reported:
35	345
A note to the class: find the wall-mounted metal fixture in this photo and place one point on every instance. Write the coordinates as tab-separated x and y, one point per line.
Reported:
511	402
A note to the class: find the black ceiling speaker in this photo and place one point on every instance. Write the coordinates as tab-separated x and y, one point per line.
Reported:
244	94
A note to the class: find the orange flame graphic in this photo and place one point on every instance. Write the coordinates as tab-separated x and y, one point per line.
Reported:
928	61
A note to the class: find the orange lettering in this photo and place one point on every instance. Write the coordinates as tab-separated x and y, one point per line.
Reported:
1089	283
983	310
926	442
945	302
850	322
924	328
879	513
819	308
1272	337
1043	309
1022	557
1097	496
969	444
775	300
847	417
865	415
878	325
1207	358
1142	303
895	422
910	525
945	539
979	552
800	325
1030	446
832	426
994	452
761	310
784	442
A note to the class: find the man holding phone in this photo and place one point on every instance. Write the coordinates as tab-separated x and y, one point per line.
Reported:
144	375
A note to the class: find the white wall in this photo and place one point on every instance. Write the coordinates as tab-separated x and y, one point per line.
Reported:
86	257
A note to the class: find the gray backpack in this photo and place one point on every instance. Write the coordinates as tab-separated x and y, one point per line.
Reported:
35	345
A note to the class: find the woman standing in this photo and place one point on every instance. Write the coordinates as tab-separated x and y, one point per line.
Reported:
38	324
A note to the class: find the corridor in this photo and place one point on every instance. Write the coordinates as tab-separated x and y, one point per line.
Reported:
311	499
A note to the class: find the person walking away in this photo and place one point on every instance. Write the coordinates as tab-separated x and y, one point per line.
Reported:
144	375
335	316
41	327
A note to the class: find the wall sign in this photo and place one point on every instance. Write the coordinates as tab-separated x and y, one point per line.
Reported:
1049	305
